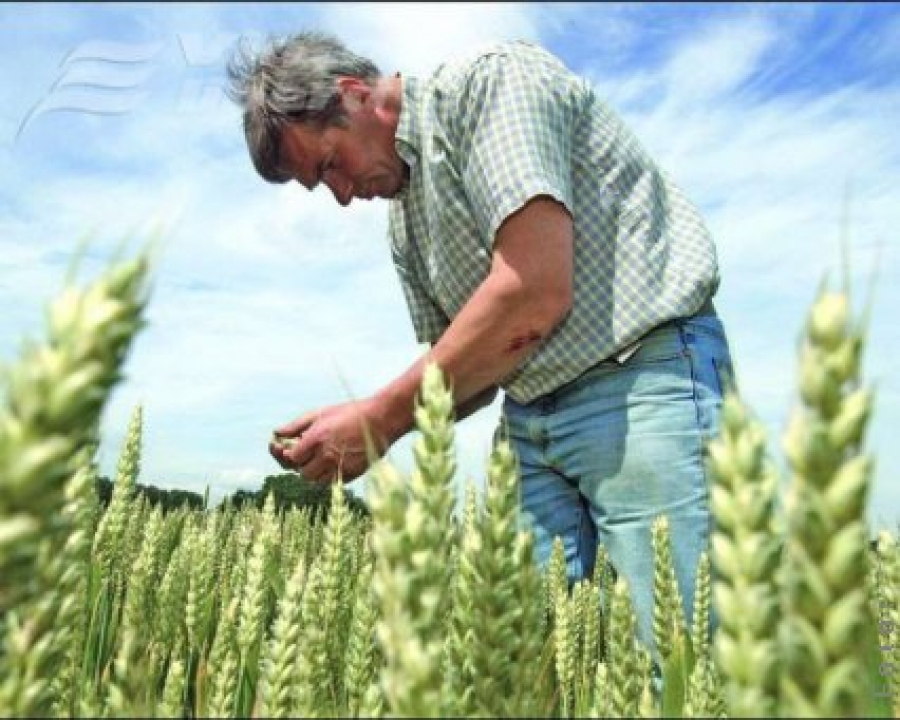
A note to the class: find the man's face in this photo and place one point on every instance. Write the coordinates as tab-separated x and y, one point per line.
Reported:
356	161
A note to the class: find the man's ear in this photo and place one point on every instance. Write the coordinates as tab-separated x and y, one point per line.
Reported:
354	92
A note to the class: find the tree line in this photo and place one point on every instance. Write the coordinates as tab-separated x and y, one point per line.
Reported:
291	490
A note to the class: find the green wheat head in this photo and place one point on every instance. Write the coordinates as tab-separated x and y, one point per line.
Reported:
826	558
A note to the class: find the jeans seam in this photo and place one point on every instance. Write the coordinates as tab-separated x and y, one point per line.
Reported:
701	449
691	366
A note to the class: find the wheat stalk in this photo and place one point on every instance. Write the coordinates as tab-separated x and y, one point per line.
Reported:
49	418
745	556
825	600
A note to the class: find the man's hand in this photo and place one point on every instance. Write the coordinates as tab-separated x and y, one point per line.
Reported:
330	442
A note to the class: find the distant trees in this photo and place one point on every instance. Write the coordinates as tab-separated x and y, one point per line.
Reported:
291	490
169	499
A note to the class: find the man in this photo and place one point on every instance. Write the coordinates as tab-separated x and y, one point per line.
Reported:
540	250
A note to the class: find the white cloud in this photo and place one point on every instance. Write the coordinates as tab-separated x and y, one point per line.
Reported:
716	60
414	37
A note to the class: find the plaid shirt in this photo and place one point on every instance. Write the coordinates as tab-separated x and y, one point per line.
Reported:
484	135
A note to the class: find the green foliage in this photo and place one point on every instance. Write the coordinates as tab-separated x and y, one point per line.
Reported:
292	491
166	498
826	561
294	601
49	429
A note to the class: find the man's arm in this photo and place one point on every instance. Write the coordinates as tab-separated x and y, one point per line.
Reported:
476	403
527	293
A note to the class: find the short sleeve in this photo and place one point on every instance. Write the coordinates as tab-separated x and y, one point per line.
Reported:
517	114
429	321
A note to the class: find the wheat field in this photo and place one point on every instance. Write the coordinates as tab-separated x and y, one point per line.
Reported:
422	609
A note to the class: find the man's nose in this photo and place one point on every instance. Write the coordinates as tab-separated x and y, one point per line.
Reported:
339	188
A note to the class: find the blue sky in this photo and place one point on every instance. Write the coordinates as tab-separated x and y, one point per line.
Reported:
269	301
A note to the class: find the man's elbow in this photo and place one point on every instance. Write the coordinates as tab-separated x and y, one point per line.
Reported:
564	304
554	307
537	320
537	309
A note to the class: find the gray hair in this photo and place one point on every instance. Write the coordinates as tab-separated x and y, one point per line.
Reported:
292	80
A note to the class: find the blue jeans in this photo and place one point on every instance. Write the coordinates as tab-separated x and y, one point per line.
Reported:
603	456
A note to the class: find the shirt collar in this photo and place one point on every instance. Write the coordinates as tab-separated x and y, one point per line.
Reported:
407	138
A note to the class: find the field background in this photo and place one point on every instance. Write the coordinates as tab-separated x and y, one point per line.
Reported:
412	609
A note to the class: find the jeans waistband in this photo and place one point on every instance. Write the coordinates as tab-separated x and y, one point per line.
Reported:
707	310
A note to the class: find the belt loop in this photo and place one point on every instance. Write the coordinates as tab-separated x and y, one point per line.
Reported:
685	334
